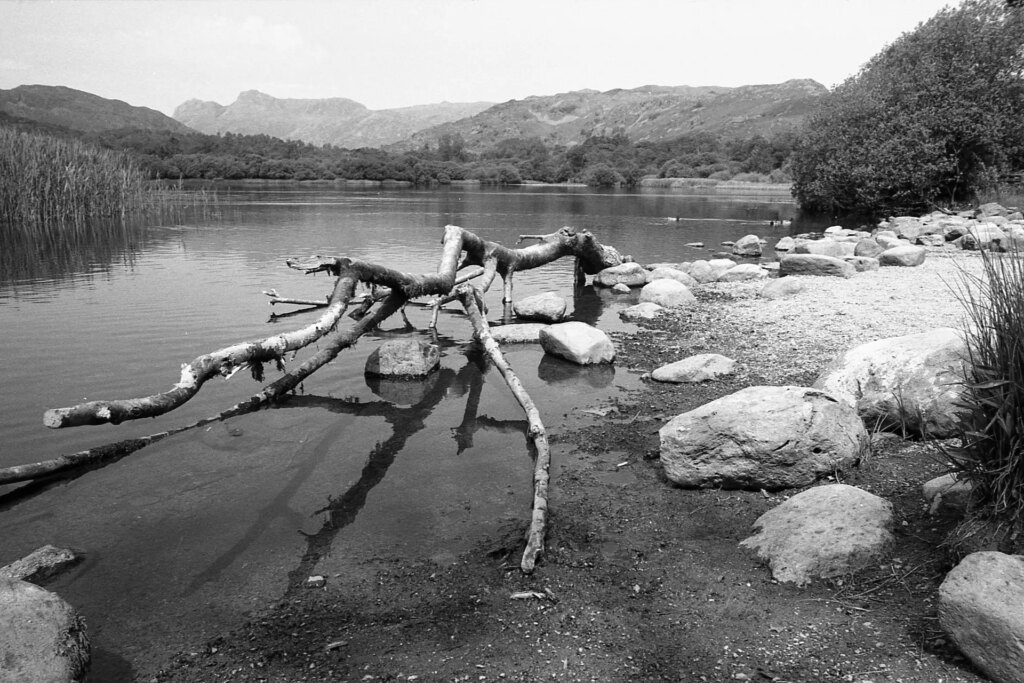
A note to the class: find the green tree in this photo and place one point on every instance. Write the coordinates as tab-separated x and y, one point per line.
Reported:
933	118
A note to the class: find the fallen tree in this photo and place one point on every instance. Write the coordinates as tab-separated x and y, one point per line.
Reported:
464	257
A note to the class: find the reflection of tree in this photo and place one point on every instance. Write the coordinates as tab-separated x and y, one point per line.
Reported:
405	422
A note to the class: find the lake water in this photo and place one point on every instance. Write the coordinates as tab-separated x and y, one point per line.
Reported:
184	538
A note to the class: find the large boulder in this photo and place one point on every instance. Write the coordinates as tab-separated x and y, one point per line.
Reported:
981	606
630	274
699	368
908	227
815	264
42	638
667	293
548	307
744	272
749	245
663	273
982	236
824	532
909	383
517	333
403	358
762	437
577	342
709	271
902	256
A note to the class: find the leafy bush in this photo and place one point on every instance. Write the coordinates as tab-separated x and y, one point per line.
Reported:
602	175
933	118
991	454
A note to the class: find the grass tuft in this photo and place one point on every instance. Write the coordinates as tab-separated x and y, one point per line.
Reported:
991	450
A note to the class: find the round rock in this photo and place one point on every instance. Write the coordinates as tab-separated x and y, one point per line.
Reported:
699	368
42	638
824	532
577	342
403	358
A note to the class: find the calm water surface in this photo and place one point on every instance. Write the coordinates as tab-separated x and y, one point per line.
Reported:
186	537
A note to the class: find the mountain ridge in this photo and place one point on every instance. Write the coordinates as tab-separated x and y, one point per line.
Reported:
337	121
61	106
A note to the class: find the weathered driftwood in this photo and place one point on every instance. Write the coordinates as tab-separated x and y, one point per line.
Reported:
536	433
479	258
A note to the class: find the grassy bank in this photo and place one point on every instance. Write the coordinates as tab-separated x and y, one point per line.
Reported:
722	187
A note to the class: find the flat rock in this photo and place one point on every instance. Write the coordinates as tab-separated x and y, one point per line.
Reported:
42	638
517	333
403	358
910	383
629	274
980	607
548	307
642	311
699	368
744	272
903	256
824	532
762	437
815	264
825	247
41	564
781	287
577	342
663	273
667	293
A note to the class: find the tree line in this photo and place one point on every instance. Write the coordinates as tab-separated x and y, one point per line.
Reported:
602	160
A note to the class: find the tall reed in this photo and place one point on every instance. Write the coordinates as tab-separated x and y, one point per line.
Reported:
50	185
991	453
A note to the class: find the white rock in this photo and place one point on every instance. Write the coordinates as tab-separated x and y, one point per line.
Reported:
744	272
912	382
782	287
629	274
663	273
577	342
824	532
620	288
517	333
749	245
667	293
642	311
699	368
903	256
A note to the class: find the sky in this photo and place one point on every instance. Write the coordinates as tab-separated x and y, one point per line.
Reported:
395	53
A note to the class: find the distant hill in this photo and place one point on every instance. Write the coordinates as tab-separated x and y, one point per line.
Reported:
337	121
55	105
648	113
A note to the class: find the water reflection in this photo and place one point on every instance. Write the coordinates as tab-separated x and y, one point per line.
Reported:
566	375
341	510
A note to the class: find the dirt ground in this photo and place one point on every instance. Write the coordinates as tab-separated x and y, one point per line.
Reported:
641	580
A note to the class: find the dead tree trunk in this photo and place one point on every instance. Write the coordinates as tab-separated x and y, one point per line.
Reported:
481	257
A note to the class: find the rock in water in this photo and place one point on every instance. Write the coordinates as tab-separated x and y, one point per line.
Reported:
824	532
403	358
517	333
42	638
577	342
629	274
548	307
981	606
762	437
